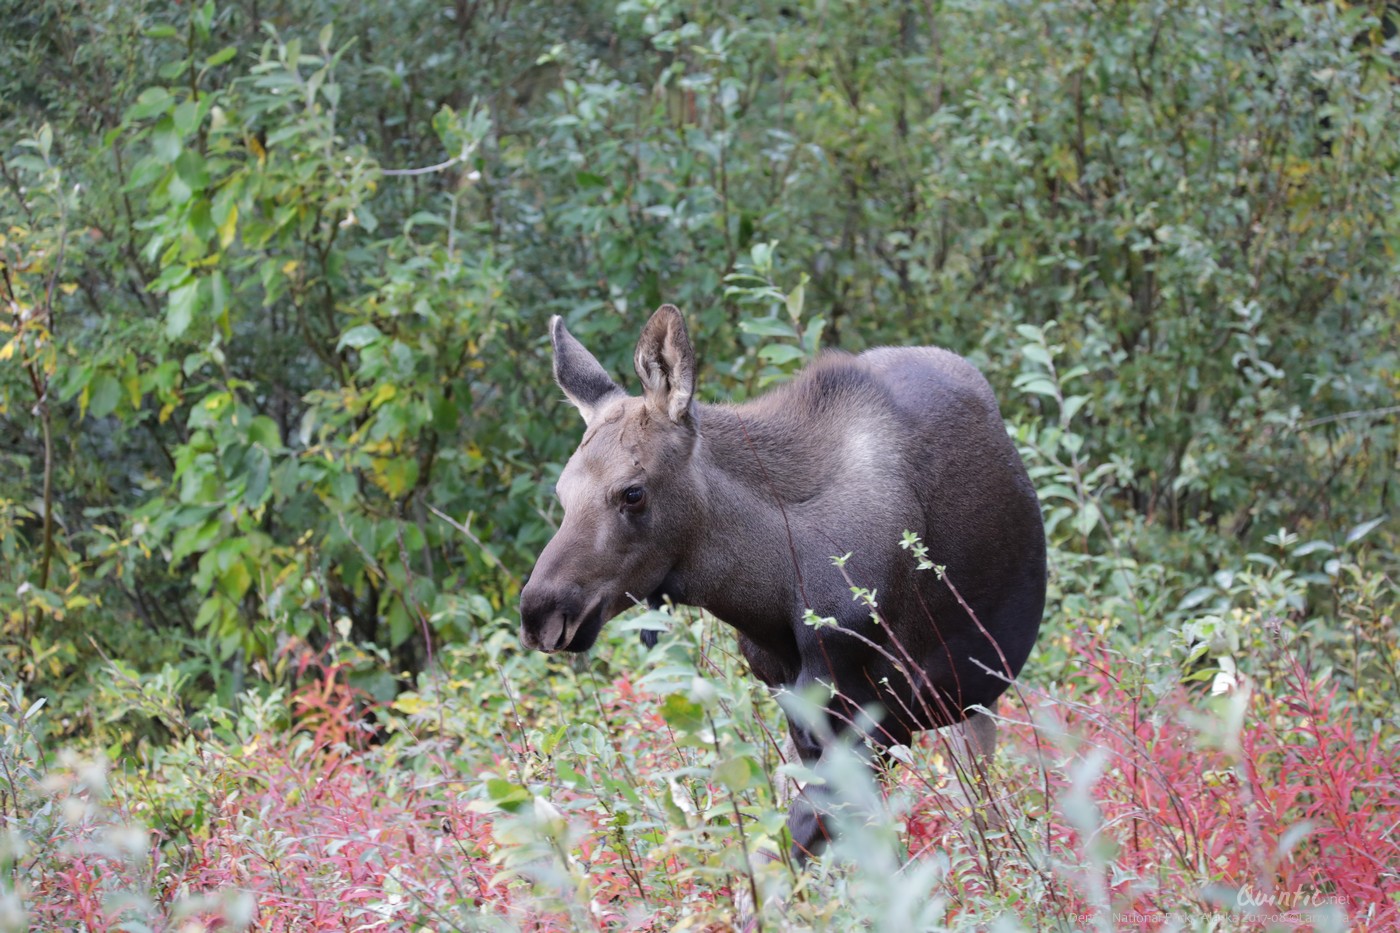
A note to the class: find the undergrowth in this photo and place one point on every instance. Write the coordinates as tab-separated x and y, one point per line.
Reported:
642	801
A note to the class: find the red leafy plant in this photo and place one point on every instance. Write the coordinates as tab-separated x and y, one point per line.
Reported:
1269	810
1114	805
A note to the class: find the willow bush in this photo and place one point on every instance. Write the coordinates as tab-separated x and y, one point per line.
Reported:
276	278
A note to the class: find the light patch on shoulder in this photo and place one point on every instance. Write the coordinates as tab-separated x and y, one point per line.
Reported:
864	451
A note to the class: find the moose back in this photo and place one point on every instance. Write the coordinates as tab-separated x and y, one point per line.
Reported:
739	509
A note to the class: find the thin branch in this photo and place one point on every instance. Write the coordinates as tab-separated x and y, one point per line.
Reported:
422	171
490	558
1347	415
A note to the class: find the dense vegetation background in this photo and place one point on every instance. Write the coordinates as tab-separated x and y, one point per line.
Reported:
274	376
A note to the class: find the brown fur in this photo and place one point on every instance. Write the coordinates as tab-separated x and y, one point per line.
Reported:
744	507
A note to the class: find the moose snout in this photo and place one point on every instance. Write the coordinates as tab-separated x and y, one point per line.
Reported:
547	614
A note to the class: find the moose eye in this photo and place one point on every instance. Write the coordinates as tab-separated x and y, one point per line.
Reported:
634	498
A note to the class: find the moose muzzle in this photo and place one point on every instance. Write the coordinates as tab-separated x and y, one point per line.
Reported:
549	614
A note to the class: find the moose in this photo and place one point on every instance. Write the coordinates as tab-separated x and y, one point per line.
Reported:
739	509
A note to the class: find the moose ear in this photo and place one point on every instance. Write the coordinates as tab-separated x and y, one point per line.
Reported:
578	372
666	364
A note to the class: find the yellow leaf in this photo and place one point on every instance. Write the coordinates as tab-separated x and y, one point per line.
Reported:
8	350
386	391
409	703
68	288
229	227
290	266
166	411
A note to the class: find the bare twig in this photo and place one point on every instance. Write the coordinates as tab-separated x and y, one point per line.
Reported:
486	554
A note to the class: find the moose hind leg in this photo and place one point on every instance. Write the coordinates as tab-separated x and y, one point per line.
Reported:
972	746
978	735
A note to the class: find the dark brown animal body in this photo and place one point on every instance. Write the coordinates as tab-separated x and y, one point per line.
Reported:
740	510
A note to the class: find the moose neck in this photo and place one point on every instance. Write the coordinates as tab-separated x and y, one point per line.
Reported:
744	564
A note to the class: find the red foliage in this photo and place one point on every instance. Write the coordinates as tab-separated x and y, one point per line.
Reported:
314	832
1299	815
324	836
307	823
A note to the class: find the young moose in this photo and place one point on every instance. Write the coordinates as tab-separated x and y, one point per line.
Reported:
739	509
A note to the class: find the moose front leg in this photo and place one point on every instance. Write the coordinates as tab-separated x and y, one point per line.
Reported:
809	834
811	808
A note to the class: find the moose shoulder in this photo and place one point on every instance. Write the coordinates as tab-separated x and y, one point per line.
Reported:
739	509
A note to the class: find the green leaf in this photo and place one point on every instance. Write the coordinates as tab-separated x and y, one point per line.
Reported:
1072	406
153	100
1035	384
165	141
1037	354
264	431
178	189
235	580
794	302
768	327
780	353
1197	596
1058	491
76	380
359	336
180	309
258	468
191	169
218	293
186	117
683	714
506	795
738	773
228	227
401	624
397	475
105	393
761	255
1363	529
1087	518
223	55
195	538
